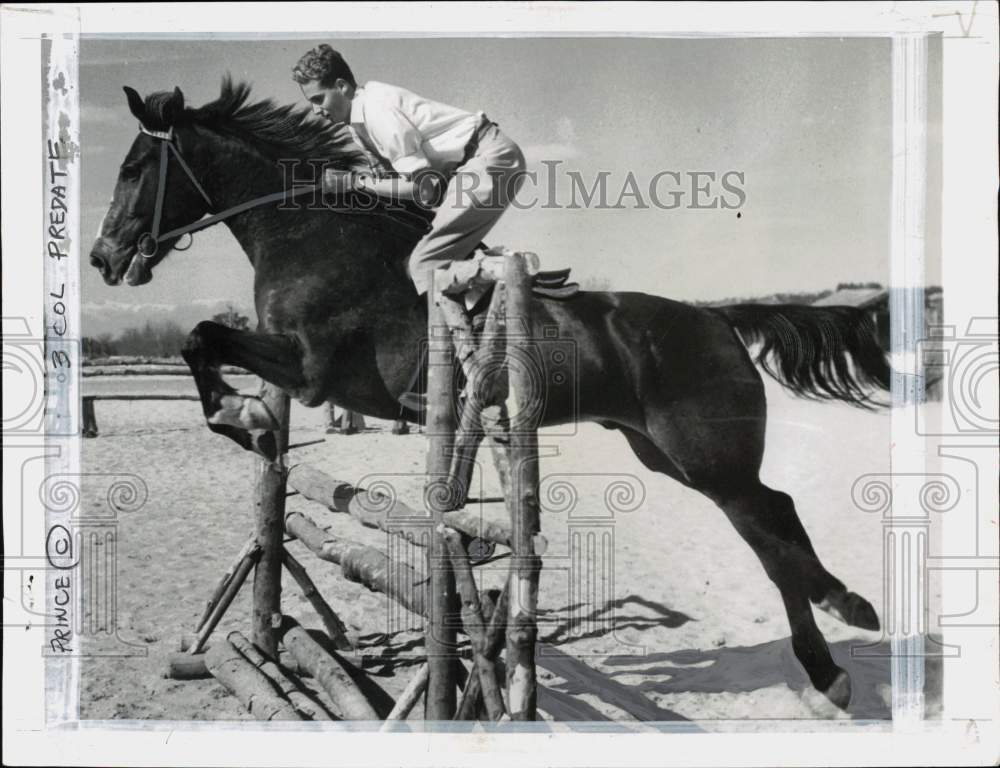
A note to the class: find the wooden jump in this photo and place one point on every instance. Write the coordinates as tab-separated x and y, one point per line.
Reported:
256	672
522	502
389	514
89	428
440	700
347	423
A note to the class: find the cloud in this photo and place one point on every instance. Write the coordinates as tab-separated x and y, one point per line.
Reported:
563	148
95	114
141	53
535	153
566	129
109	305
95	307
209	302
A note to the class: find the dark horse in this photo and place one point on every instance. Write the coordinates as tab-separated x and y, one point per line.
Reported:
339	321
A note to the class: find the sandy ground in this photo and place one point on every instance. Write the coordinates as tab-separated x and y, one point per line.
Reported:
673	618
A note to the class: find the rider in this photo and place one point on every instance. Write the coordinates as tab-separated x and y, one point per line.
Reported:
458	159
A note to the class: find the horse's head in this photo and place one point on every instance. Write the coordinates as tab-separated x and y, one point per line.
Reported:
129	243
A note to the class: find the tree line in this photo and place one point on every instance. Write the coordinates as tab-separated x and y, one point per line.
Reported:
154	339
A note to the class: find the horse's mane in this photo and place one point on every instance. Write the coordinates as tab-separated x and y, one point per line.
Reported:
275	131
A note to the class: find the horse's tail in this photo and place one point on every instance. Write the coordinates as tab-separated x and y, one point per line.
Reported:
823	353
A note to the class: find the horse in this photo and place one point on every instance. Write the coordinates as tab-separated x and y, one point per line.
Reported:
339	321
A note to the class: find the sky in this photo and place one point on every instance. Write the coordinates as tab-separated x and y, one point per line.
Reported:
806	121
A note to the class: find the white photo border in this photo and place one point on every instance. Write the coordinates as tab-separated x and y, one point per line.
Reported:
43	727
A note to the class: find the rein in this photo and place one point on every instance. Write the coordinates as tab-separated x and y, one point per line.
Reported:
148	243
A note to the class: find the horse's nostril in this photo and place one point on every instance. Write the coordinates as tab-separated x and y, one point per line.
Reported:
96	261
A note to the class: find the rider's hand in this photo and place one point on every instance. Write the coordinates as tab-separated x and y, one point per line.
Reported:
336	182
427	190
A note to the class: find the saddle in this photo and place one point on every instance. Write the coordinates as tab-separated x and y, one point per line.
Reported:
553	284
474	278
549	284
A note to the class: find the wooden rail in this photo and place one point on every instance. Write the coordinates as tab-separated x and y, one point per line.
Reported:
448	597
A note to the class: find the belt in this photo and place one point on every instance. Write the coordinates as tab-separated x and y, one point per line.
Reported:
477	135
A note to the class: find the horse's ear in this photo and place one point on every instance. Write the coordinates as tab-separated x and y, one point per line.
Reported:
174	107
135	103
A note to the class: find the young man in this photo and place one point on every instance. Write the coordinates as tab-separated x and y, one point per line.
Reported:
429	145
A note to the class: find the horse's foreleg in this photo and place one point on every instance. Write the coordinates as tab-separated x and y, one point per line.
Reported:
273	357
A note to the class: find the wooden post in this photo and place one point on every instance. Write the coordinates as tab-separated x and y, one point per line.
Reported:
440	635
475	627
220	588
414	690
270	516
225	599
522	501
495	635
335	628
89	418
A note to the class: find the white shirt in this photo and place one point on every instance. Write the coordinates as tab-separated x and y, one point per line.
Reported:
411	132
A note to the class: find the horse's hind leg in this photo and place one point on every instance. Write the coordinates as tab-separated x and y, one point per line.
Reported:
273	357
779	521
767	521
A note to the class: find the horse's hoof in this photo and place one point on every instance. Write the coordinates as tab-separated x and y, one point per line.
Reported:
852	609
264	444
839	691
255	415
861	614
243	412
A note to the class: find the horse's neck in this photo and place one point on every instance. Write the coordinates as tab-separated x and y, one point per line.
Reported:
237	174
234	176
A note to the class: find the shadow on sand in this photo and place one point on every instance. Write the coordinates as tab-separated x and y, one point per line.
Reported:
738	669
750	668
718	670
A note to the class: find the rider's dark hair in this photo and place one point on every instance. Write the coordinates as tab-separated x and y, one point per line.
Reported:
325	65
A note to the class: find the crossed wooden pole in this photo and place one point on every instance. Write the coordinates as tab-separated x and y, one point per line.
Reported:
261	670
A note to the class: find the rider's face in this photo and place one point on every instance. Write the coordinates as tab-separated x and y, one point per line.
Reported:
333	103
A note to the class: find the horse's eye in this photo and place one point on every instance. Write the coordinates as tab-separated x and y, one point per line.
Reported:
130	172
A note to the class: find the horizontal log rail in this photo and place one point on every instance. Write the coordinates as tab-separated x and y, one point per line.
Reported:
377	510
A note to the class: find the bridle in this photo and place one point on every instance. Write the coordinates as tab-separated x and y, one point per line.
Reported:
149	243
